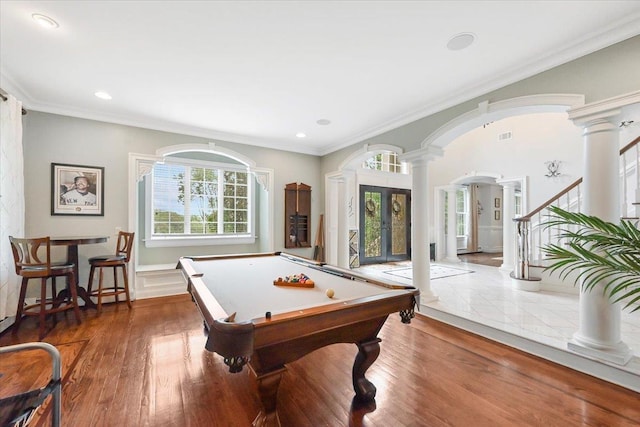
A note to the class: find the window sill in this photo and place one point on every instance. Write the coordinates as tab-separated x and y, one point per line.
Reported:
166	242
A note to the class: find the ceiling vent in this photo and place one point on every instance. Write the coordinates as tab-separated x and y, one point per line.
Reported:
505	136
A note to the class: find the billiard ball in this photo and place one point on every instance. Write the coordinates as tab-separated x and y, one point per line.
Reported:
330	293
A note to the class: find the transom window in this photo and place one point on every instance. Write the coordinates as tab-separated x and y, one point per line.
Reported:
195	199
386	162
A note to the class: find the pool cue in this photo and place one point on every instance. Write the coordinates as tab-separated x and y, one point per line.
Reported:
316	248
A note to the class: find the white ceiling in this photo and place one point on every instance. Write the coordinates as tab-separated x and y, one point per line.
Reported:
259	72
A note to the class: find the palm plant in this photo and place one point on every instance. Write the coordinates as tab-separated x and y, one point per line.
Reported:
600	251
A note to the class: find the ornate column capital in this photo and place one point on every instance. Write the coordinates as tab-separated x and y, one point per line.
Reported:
422	156
507	183
603	115
262	177
451	187
143	164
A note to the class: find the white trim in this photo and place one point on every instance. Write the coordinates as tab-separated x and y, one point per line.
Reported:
205	148
156	267
606	108
152	240
354	160
265	177
484	113
159	280
487	112
474	177
141	165
176	241
600	38
422	155
524	190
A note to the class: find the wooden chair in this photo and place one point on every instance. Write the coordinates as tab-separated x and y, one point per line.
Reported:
119	260
32	259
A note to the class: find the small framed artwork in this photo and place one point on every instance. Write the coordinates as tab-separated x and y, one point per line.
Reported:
496	215
496	202
77	190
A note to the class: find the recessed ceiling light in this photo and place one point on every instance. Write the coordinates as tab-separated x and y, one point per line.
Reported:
102	95
323	122
461	41
44	21
301	135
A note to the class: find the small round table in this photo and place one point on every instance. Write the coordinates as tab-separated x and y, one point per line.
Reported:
72	242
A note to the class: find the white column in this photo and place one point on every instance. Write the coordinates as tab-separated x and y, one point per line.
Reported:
140	165
332	216
599	330
452	235
508	226
438	235
343	224
420	220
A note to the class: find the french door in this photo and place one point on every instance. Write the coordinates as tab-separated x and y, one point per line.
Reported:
385	224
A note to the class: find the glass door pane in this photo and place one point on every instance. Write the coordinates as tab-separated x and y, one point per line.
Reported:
398	224
372	224
385	233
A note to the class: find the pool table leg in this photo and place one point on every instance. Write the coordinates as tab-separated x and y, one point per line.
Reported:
367	354
268	384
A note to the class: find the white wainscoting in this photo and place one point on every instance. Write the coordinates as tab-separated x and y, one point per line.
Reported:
490	238
158	281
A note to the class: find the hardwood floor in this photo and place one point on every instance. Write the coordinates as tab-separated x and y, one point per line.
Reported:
483	258
148	367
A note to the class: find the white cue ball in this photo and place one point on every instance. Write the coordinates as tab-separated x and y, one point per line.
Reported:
330	293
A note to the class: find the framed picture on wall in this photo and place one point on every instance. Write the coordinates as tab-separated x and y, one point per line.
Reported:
77	190
496	215
496	202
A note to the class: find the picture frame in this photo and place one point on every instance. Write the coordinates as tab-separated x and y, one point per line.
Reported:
496	215
77	190
496	202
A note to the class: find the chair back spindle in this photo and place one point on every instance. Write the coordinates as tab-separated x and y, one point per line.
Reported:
32	253
125	244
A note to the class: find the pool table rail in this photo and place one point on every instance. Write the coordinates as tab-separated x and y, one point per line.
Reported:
239	341
266	344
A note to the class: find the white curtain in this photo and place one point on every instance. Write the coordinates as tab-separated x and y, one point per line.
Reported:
11	204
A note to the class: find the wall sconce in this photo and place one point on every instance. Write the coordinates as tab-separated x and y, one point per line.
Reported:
553	167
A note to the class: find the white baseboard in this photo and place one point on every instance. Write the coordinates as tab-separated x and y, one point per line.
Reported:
6	323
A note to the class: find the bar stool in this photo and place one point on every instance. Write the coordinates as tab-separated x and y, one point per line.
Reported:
32	260
119	260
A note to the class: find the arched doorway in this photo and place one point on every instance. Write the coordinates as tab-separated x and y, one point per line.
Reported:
497	209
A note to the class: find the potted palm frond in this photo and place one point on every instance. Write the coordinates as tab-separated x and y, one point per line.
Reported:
600	252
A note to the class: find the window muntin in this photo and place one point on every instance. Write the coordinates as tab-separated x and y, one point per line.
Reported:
462	212
386	161
198	199
518	204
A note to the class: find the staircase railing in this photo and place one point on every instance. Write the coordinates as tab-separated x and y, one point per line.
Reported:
533	235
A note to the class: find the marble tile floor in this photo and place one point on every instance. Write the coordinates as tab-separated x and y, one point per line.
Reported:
487	298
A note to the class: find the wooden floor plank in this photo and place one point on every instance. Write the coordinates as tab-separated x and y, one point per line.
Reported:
148	367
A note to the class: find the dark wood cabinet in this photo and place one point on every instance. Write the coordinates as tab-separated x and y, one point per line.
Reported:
297	214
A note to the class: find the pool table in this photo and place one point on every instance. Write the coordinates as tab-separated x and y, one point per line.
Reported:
251	321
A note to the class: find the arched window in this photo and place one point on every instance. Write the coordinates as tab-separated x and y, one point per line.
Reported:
196	198
386	161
